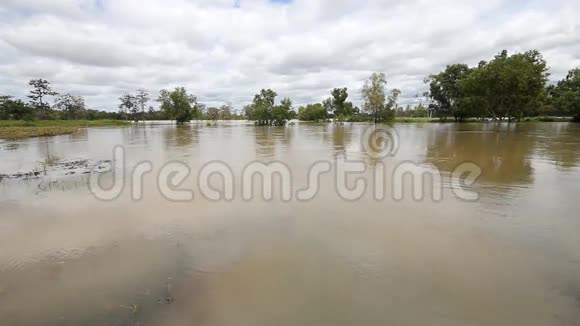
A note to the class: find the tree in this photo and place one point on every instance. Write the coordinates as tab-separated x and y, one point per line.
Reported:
312	112
141	99
392	104
248	112
374	97
5	98
282	113
197	110
40	90
567	94
177	104
337	105
264	112
213	113
225	111
128	106
420	111
263	107
446	92
135	105
508	86
71	105
14	109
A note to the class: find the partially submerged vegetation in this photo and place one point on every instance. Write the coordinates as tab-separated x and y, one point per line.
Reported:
63	123
264	112
25	132
15	129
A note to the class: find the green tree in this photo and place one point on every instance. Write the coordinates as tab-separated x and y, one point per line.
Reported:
262	107
506	87
11	109
264	112
128	106
312	112
375	98
178	105
567	94
446	92
282	113
337	106
141	99
248	112
420	111
41	89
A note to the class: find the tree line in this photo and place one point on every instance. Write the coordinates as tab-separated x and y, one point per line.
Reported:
508	87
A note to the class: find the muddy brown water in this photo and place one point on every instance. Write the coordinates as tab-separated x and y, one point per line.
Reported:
510	258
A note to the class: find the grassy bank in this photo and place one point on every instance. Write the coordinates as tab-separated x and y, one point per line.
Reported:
14	129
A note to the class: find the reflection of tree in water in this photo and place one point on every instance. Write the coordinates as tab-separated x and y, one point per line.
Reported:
339	137
79	135
136	135
560	144
502	152
11	147
181	136
47	153
267	139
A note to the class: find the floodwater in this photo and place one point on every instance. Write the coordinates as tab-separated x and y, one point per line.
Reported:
512	257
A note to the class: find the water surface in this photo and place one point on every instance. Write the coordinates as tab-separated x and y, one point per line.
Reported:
512	257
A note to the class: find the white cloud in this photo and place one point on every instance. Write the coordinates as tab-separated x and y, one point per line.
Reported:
302	49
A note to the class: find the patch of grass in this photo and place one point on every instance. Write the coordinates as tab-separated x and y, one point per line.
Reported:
416	120
15	129
25	132
63	123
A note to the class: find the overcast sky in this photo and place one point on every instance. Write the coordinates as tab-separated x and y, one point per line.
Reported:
227	50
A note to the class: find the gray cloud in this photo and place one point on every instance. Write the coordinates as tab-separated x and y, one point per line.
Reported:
302	49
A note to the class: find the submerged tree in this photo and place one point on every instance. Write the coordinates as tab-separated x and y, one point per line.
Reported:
141	98
337	106
225	111
177	104
375	98
264	111
508	86
312	112
212	113
282	113
263	107
567	94
446	92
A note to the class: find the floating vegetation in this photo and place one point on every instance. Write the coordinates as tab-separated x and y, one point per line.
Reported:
134	308
75	167
169	298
